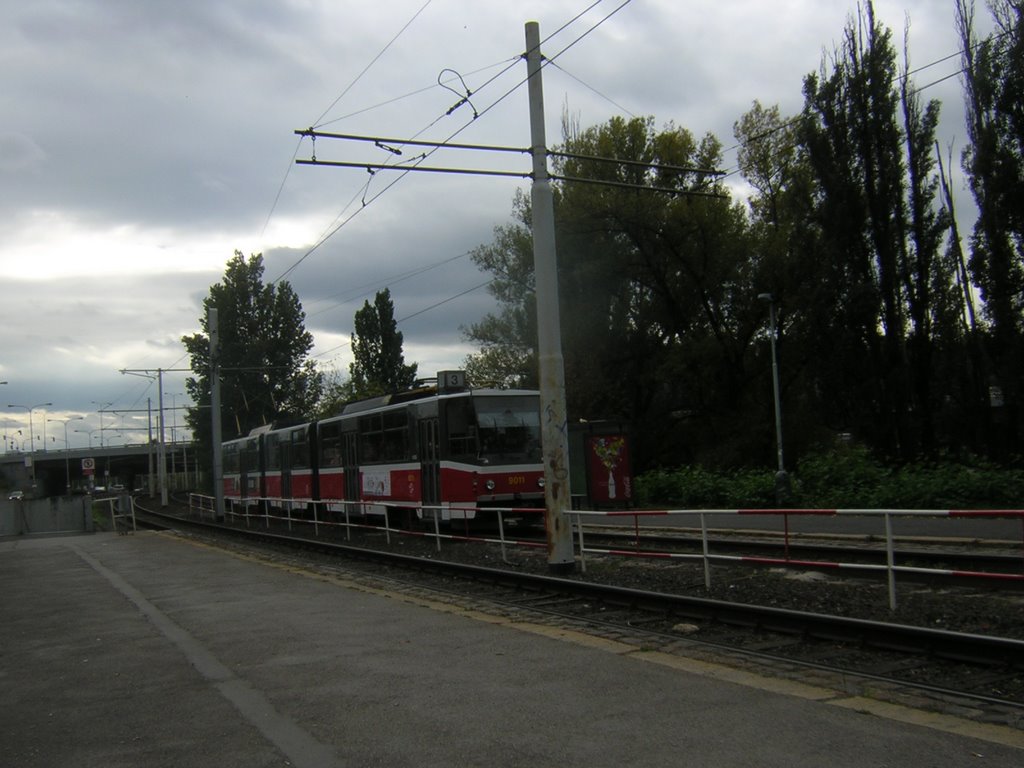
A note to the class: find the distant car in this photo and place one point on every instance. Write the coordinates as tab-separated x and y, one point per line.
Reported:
16	495
117	488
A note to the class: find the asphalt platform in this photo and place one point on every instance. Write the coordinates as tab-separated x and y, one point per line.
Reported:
148	650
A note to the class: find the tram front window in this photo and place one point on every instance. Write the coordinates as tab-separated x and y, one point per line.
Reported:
509	429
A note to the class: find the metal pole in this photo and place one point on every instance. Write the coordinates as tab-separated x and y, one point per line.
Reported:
775	386
554	429
67	461
161	449
890	561
218	466
149	453
781	478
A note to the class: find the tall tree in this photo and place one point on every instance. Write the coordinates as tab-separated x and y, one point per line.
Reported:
994	163
657	288
786	265
265	374
869	149
929	280
379	365
647	281
507	339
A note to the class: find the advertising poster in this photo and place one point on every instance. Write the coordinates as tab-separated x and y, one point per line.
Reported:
611	480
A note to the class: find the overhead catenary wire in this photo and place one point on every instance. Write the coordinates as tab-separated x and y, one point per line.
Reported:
406	169
356	79
361	291
522	82
433	306
901	75
591	88
374	60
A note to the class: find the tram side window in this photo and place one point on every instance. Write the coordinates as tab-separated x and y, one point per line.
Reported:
249	457
384	436
395	426
371	438
300	449
273	451
330	445
230	457
462	430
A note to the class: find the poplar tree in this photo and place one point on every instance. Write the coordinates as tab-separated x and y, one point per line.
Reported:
379	364
994	163
869	143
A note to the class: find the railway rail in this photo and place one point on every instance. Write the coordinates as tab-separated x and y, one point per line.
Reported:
964	672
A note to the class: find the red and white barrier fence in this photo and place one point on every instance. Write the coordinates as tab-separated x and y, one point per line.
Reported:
338	514
890	567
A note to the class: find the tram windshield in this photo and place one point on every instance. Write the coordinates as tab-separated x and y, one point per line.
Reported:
508	429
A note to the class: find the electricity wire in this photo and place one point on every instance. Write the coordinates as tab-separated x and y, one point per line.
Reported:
373	61
912	91
298	144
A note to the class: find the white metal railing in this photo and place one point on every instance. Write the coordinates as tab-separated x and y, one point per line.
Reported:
324	513
119	513
890	567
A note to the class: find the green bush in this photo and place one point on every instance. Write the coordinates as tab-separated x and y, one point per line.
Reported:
698	488
846	477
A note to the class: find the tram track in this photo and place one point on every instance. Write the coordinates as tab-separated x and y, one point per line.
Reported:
977	672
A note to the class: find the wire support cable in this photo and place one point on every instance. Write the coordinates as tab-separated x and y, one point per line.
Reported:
512	63
643	187
314	134
637	163
375	167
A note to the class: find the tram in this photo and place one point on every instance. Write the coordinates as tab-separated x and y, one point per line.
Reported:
445	450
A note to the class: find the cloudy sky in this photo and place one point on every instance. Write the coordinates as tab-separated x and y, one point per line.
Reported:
144	141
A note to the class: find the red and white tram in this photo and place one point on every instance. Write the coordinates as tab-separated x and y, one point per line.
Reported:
447	450
243	470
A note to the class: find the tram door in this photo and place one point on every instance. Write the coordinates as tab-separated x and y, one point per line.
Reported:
350	465
430	465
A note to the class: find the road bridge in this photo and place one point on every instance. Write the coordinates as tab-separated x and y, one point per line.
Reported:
51	473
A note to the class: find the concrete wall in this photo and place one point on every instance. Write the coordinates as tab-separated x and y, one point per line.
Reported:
55	514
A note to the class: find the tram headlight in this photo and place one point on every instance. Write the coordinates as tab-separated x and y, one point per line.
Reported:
540	482
489	485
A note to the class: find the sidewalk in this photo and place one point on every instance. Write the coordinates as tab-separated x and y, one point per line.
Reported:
147	650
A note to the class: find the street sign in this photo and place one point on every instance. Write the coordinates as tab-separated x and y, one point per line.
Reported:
88	466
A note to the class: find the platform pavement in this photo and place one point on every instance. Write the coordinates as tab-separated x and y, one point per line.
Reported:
148	650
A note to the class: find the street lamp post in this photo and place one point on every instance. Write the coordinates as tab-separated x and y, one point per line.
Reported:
87	432
31	431
31	438
67	448
100	411
781	478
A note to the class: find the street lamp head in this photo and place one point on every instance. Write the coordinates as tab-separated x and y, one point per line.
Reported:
766	297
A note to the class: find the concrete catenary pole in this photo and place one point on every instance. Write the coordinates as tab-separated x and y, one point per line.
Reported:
554	423
215	437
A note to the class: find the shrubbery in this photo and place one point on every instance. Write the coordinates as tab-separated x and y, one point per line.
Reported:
847	477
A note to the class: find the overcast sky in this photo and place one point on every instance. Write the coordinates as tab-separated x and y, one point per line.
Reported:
144	141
